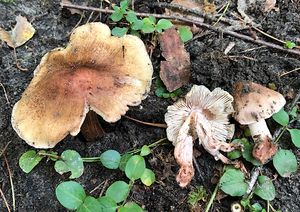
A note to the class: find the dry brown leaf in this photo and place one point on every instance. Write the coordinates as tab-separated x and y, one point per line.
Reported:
175	71
270	5
20	34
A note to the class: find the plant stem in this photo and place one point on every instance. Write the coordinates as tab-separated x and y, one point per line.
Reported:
198	23
212	198
49	155
147	123
223	13
156	143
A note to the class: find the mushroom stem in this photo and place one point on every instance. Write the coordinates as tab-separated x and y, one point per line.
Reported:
91	128
263	148
259	128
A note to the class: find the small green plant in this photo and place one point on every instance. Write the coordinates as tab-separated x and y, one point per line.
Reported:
72	195
134	24
196	195
161	90
289	44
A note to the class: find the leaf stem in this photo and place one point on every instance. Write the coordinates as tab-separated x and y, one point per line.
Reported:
212	198
49	155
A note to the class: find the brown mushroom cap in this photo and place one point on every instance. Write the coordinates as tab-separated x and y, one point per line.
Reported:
95	71
253	102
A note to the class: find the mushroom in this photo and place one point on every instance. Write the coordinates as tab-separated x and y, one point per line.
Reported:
96	71
253	103
202	114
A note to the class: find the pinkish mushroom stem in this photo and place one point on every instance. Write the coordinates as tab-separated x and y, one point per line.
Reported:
259	130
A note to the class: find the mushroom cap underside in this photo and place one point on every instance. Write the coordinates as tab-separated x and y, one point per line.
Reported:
95	71
253	102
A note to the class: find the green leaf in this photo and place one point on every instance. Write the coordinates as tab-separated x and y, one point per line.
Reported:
90	204
29	160
130	207
118	191
124	160
135	33
265	188
70	161
110	159
135	167
117	15
256	207
148	177
233	182
145	150
285	162
148	25
235	153
124	4
119	31
160	91
131	17
137	25
281	117
107	204
70	194
289	44
152	19
295	135
163	24
293	113
247	153
185	33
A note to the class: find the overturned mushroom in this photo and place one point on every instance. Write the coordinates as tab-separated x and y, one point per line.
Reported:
253	103
96	71
204	115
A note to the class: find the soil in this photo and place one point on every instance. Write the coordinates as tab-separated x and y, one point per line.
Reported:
36	191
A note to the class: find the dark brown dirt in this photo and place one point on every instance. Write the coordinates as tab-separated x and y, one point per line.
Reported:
36	191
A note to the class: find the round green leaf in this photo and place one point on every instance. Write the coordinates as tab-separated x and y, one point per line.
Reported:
135	167
265	188
117	15
247	153
293	113
119	31
145	150
124	160
235	153
148	177
289	44
233	182
124	4
107	204
29	160
285	162
295	135
163	24
70	161
137	25
90	204
131	17
118	191
70	194
281	117
185	33
110	159
130	207
148	25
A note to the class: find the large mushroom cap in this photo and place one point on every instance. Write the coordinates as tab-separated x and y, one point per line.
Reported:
253	102
95	71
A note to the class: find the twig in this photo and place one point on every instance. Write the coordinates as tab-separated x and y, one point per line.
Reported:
223	13
201	24
5	94
17	62
11	184
288	72
98	186
4	149
5	201
147	123
103	188
253	180
212	198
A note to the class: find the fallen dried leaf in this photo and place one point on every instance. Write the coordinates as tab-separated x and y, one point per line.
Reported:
175	71
20	34
270	5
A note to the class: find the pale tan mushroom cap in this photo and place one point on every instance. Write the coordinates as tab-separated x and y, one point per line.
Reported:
95	71
253	102
215	107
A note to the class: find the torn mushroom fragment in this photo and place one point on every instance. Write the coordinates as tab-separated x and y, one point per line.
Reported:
202	114
253	103
96	71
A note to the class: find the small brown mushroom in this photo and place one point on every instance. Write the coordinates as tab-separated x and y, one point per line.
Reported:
96	71
204	115
253	103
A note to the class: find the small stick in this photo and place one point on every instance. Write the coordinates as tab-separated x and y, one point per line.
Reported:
5	201
98	186
288	72
17	62
4	149
5	94
198	23
103	188
147	123
11	184
253	180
